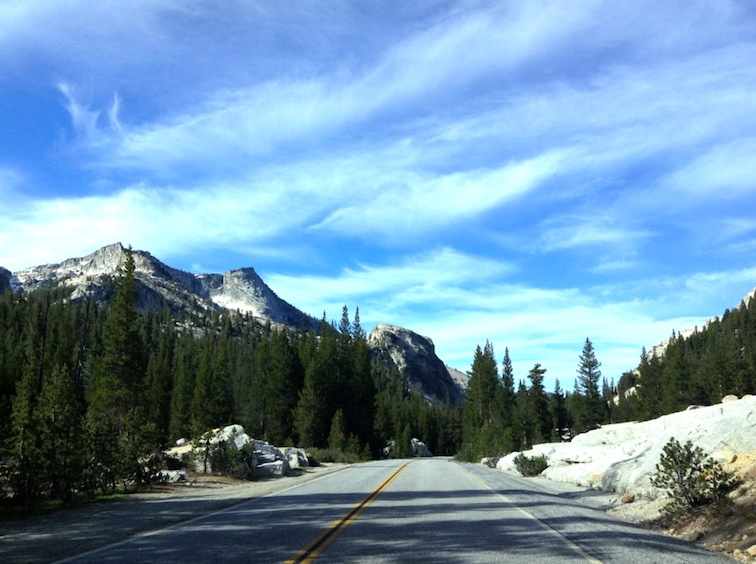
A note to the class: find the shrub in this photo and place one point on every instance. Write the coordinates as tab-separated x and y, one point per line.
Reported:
337	455
223	459
692	480
531	465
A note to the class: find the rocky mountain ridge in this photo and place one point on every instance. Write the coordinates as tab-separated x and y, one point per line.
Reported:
160	286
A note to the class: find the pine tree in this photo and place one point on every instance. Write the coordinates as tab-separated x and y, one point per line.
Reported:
360	410
283	380
538	406
649	386
337	437
592	410
62	454
27	478
159	373
559	412
479	409
119	437
524	422
507	389
316	405
183	389
211	401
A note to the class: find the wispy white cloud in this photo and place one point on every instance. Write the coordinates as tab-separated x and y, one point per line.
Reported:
598	230
84	121
417	204
727	170
402	283
164	221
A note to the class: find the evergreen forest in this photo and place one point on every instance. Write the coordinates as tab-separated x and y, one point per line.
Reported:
91	395
699	369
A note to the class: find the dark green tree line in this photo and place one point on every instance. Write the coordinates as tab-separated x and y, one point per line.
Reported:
89	396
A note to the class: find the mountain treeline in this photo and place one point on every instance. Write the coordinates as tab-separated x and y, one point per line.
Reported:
90	396
500	417
699	369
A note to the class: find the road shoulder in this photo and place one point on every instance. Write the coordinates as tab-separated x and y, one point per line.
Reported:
79	529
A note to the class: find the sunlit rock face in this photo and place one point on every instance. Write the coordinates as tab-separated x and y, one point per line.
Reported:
414	356
243	289
622	457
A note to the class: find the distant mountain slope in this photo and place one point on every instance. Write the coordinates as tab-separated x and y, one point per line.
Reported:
159	285
414	356
660	349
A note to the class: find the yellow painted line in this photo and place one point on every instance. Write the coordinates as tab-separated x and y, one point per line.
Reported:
329	535
575	547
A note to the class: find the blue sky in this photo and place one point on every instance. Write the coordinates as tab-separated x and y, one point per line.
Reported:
531	173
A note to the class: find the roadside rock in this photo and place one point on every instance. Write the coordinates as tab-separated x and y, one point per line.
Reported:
622	457
275	469
173	476
297	457
419	448
232	452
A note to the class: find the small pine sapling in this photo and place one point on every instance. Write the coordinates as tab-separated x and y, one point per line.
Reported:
692	480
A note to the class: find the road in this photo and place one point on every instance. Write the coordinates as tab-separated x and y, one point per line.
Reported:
408	511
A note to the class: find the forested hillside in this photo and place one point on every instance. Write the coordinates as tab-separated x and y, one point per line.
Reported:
700	369
88	394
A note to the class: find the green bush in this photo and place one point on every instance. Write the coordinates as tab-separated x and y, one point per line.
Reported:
531	465
338	455
692	480
222	460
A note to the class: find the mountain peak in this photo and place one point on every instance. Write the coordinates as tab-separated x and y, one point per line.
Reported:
414	356
159	285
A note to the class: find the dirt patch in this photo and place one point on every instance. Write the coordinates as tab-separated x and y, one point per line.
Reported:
75	530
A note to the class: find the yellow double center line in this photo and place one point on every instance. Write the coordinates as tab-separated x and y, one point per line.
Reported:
324	540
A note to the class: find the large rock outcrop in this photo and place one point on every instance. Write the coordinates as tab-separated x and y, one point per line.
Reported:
622	457
231	451
414	356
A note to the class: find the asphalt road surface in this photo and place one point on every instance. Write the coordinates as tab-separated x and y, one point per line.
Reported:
429	510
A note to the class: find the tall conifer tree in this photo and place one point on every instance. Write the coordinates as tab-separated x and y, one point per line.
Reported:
592	410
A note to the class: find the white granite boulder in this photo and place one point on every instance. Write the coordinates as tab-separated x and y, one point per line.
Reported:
297	457
231	451
419	448
622	458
